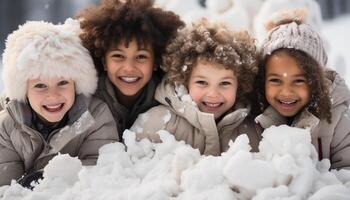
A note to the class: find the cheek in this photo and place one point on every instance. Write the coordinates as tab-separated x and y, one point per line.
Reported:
305	94
196	94
34	100
269	92
147	70
111	67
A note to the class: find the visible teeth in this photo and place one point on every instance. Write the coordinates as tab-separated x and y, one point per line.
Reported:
288	102
129	79
212	104
53	107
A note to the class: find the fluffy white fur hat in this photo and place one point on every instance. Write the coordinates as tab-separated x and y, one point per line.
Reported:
43	50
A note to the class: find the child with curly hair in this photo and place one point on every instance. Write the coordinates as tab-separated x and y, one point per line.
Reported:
49	78
209	73
293	87
126	40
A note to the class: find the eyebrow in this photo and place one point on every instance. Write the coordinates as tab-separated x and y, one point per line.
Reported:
274	74
226	77
141	49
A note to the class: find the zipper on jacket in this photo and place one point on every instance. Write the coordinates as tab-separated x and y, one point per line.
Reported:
168	101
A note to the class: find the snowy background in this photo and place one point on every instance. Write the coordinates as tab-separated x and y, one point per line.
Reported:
285	168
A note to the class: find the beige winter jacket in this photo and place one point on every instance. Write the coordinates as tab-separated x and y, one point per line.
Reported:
24	150
198	129
330	140
123	116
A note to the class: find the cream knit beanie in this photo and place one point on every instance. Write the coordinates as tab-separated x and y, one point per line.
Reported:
291	32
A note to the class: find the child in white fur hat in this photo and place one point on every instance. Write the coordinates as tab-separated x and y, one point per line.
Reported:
49	78
293	87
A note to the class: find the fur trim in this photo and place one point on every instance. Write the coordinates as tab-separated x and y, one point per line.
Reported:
43	50
298	16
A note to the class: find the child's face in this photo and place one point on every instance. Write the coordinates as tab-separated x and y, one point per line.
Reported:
286	86
212	87
51	98
129	68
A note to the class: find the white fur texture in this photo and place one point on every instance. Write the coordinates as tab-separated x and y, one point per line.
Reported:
43	50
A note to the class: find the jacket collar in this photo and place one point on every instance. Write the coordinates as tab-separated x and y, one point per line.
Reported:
180	103
142	104
338	89
270	117
21	112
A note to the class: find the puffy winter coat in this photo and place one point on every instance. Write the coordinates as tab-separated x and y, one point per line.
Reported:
330	140
123	116
24	150
183	119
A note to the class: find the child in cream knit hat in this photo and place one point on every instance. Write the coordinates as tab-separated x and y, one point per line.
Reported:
49	78
294	87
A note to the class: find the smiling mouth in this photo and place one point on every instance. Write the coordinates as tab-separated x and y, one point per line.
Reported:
129	79
54	108
212	105
287	104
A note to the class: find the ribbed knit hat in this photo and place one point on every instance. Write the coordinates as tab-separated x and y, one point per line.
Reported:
291	32
43	50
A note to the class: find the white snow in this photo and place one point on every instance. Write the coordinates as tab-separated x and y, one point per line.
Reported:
285	168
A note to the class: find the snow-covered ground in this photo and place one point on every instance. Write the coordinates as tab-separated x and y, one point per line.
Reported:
285	168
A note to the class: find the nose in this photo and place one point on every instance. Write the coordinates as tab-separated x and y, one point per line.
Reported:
52	93
213	93
286	91
129	65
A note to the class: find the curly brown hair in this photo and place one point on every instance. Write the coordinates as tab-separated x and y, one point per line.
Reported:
212	42
320	102
115	20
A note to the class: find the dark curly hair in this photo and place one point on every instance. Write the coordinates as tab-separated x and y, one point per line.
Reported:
115	20
320	102
212	42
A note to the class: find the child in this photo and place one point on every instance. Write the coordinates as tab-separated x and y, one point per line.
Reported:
294	88
48	76
127	40
217	67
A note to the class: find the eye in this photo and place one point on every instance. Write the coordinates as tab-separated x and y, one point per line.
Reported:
201	83
300	81
142	57
225	83
63	83
40	86
274	81
117	56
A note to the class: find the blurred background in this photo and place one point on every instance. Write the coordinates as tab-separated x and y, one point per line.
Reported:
330	17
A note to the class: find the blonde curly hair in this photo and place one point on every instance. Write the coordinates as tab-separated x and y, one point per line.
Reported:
212	42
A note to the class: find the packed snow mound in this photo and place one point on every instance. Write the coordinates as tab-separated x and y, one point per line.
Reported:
285	168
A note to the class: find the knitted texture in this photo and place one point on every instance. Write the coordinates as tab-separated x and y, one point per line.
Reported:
295	36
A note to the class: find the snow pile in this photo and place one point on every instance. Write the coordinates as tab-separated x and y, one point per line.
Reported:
285	168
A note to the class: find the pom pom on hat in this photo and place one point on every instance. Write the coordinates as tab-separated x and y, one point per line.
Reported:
298	16
43	50
287	29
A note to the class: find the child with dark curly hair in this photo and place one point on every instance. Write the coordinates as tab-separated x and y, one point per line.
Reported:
126	40
294	88
210	71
